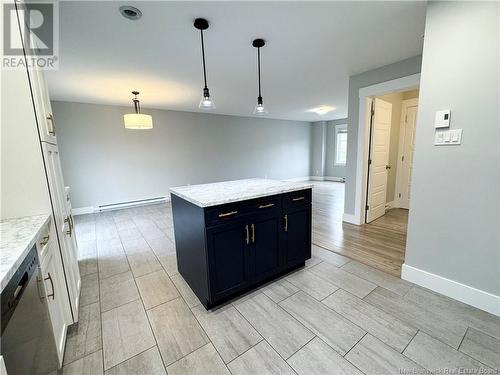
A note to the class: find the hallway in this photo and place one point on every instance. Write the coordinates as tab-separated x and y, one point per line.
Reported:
380	244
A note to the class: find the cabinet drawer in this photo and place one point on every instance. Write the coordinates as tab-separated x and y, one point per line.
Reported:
225	213
296	198
265	205
228	212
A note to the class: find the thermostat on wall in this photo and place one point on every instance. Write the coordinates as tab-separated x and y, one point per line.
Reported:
442	119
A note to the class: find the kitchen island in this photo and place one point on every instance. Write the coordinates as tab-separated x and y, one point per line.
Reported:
234	236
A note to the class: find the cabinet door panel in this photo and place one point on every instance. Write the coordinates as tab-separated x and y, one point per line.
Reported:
63	223
297	237
265	247
228	264
57	300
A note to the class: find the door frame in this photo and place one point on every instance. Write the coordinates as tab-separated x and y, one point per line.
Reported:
366	95
405	104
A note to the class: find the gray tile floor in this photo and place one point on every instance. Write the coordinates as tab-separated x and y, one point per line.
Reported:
334	316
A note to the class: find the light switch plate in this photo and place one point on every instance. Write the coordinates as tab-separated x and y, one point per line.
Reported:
448	137
442	119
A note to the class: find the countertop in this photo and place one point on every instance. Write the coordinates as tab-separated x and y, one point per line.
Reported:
208	195
17	237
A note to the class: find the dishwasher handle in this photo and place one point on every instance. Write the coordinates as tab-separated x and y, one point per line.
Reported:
18	292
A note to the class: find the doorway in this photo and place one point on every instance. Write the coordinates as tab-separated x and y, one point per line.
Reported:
390	153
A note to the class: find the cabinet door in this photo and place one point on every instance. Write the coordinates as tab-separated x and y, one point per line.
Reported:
43	107
297	235
57	299
228	259
63	224
265	252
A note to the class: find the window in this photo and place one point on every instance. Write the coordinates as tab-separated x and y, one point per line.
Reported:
340	144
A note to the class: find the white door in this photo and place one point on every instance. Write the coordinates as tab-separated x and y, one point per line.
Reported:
64	224
407	145
379	159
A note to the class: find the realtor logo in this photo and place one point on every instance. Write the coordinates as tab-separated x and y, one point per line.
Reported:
35	27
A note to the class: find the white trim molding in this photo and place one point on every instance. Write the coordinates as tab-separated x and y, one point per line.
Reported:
333	178
351	219
366	95
299	179
453	289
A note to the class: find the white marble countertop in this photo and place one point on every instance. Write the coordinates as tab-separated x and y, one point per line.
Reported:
17	237
208	195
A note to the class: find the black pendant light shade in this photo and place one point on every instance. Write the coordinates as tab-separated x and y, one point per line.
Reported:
259	108
206	101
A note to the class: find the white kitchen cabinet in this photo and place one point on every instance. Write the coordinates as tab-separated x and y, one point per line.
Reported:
63	224
43	108
32	184
55	287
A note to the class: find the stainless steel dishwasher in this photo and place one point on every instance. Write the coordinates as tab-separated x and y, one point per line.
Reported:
27	341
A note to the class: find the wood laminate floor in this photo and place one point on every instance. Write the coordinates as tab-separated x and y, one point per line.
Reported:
380	244
334	316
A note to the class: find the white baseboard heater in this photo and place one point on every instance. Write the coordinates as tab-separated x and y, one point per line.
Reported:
121	205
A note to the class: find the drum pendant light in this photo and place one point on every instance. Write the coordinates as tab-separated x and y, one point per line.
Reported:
259	108
137	120
206	101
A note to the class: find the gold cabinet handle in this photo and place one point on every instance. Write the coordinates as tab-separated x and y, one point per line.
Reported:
253	233
52	130
45	240
228	214
266	205
298	199
247	238
286	222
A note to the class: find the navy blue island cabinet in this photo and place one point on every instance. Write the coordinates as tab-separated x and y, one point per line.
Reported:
228	249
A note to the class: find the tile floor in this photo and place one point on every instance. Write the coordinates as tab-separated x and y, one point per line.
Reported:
334	316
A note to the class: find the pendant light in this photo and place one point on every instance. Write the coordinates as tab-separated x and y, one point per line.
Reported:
259	108
137	120
206	101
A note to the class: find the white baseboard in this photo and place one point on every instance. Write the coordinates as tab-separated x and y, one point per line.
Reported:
326	178
333	178
453	289
298	179
317	178
82	210
390	205
352	219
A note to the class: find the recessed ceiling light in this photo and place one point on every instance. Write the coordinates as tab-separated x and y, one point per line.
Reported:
322	110
130	12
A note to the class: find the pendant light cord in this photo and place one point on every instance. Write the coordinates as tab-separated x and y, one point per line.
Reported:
203	57
136	104
258	65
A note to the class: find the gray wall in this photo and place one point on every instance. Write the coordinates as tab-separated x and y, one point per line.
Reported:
454	221
331	169
105	163
318	148
386	73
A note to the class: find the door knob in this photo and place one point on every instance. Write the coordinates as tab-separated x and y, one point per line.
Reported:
387	167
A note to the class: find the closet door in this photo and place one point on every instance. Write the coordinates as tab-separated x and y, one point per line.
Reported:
64	224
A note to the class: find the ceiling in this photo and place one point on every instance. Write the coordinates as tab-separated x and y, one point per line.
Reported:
311	50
